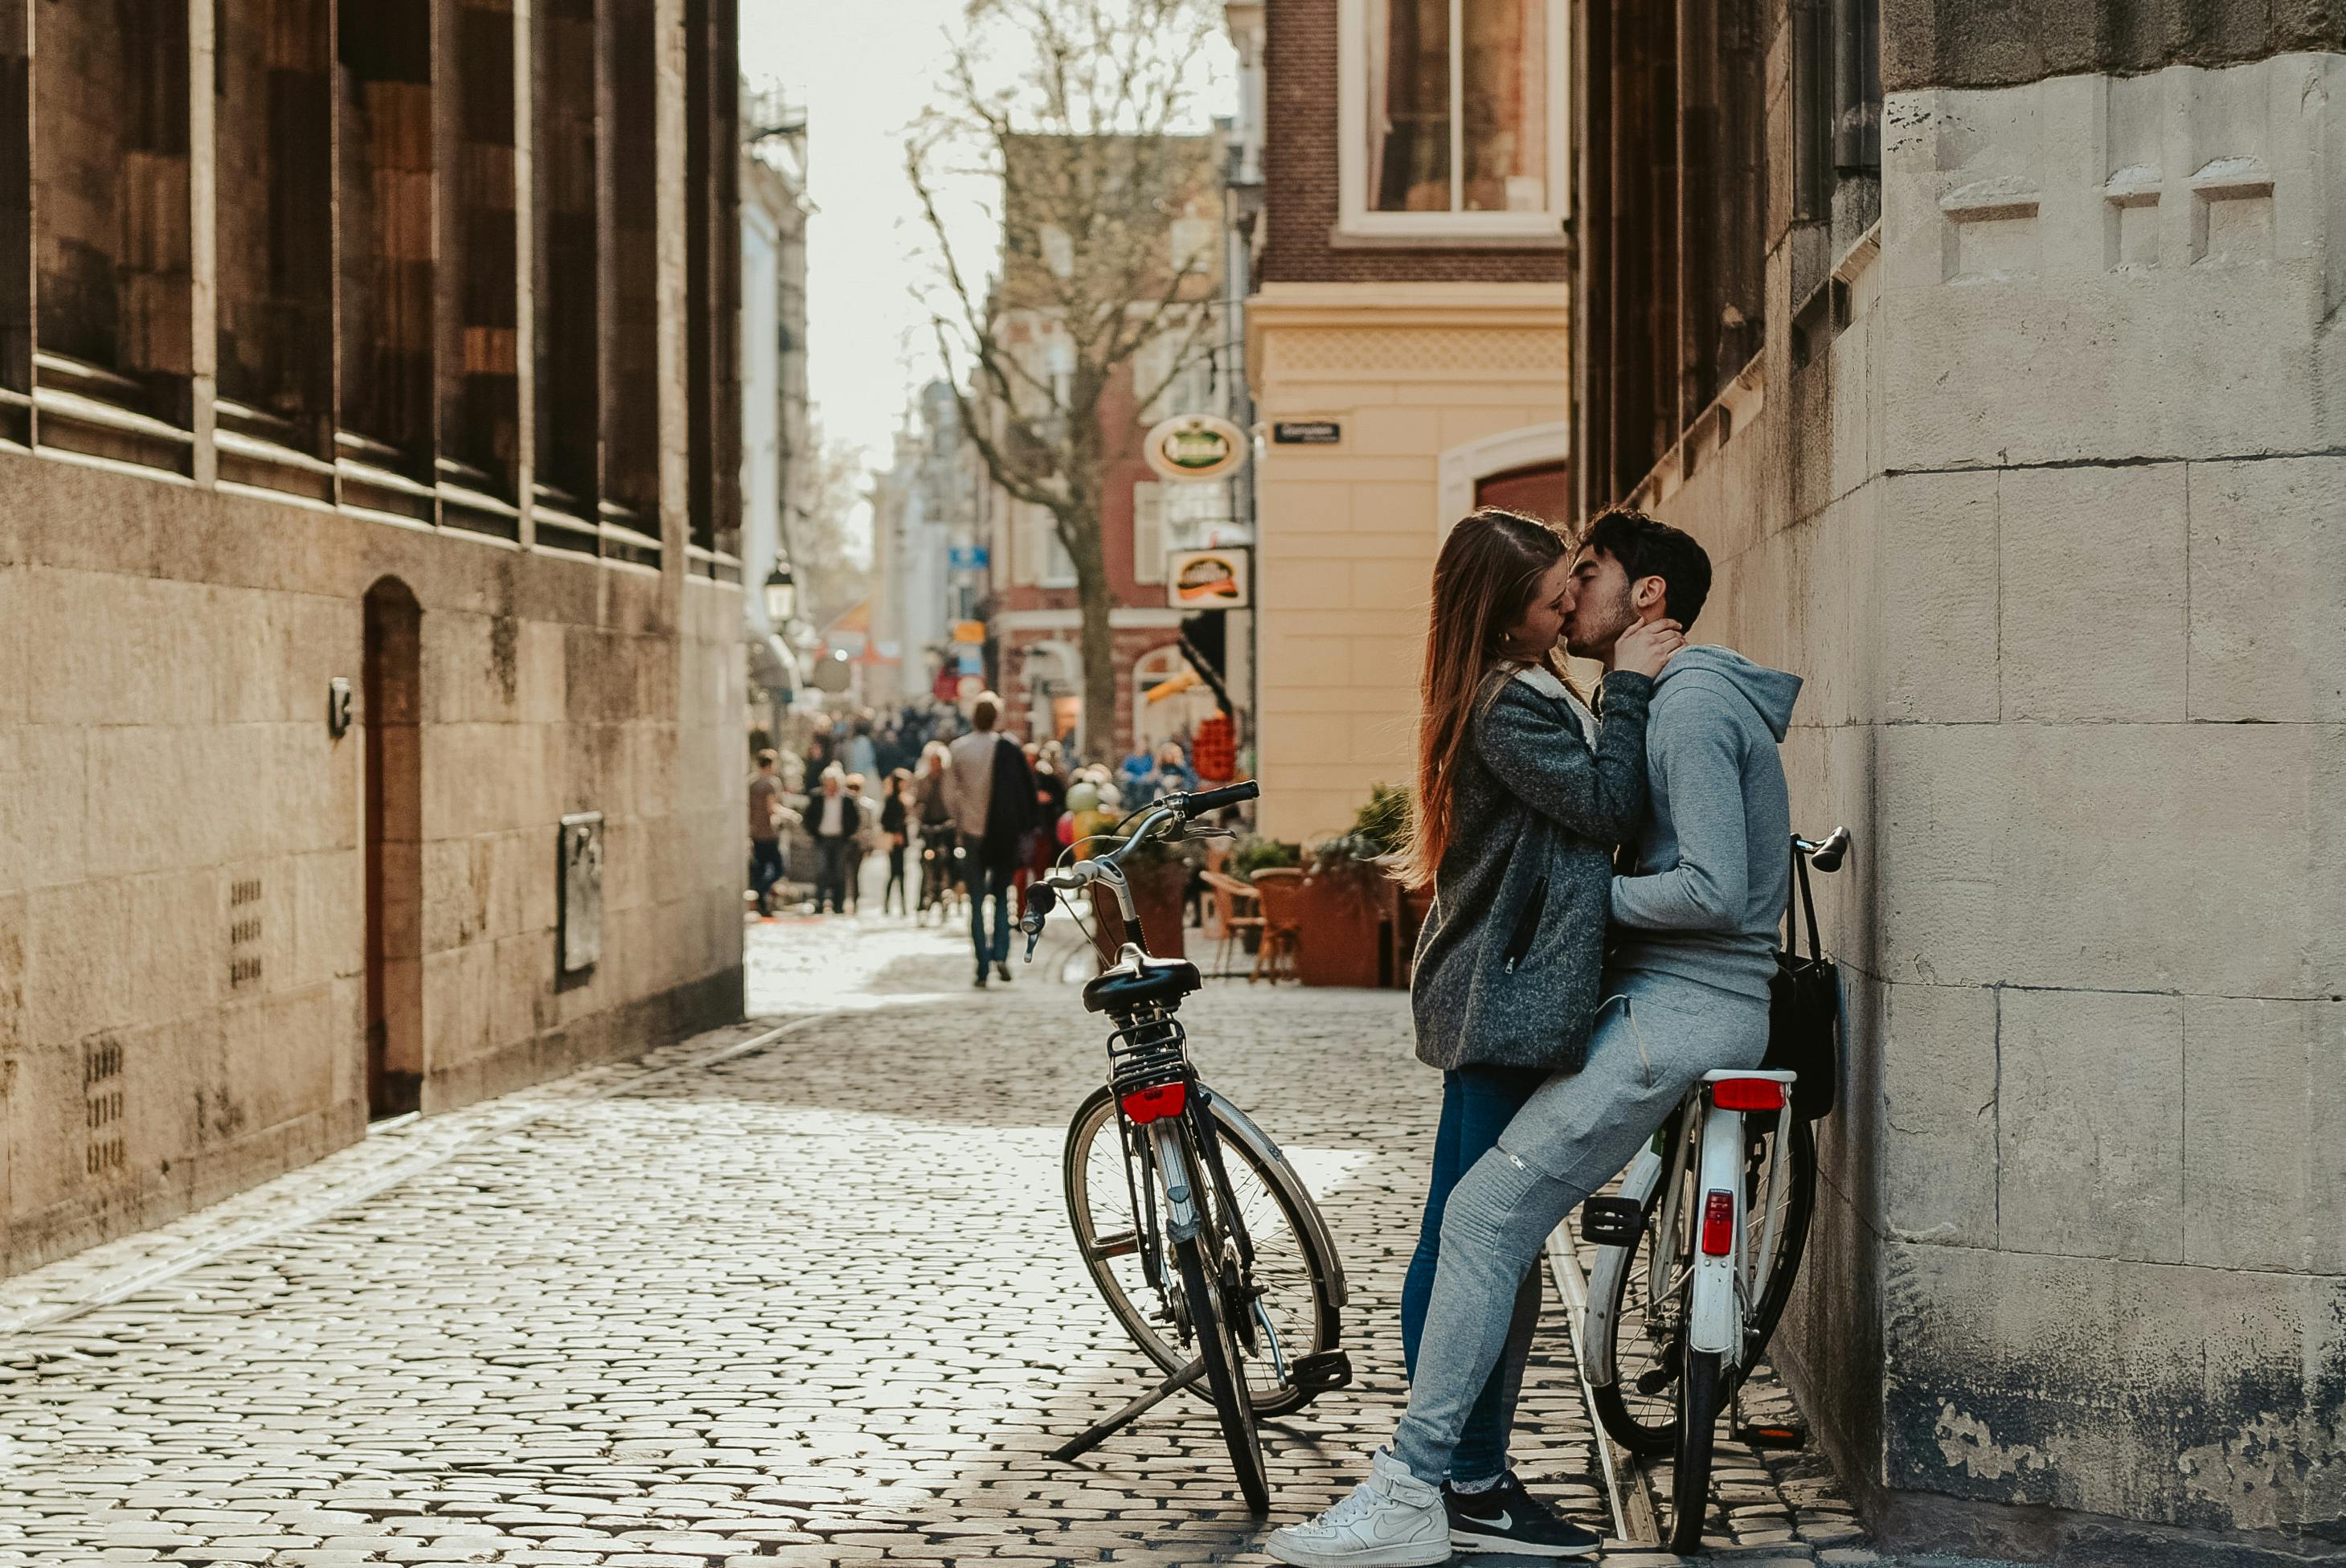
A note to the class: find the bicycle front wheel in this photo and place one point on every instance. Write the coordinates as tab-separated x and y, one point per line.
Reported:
1297	1304
1201	1290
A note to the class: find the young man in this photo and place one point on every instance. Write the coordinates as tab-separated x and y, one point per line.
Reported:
765	831
1685	992
990	791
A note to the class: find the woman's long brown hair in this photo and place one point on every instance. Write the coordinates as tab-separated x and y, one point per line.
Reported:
1484	581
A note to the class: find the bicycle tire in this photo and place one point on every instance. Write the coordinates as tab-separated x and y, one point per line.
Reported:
1201	1288
1299	1297
1701	1391
1791	1245
1644	1424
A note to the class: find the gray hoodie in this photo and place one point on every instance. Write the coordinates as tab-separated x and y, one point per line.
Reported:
1713	861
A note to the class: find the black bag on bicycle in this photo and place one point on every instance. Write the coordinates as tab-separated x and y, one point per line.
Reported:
1804	1008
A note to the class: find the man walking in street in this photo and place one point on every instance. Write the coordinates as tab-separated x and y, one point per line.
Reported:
834	819
766	818
990	791
1689	955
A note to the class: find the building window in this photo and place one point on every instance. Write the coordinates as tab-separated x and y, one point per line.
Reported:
1453	120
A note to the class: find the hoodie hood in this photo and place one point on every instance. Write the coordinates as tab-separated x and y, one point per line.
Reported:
1771	691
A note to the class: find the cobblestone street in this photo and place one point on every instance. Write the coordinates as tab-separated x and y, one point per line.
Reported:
812	1301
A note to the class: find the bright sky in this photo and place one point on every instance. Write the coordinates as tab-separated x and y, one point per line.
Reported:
864	70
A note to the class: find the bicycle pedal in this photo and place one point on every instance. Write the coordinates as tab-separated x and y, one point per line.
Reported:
1655	1379
1328	1370
1612	1221
1772	1435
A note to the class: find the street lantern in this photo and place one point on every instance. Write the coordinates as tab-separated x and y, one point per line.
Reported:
782	593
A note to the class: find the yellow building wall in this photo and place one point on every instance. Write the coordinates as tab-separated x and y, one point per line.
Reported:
1347	534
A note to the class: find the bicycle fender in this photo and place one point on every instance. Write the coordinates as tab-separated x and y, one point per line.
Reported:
1242	1126
1715	1316
1181	1217
1596	1326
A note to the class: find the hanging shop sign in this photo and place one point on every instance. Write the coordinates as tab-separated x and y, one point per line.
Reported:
1206	580
1195	446
970	631
966	557
1307	432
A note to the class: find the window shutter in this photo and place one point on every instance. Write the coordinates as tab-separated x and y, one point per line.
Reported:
1149	532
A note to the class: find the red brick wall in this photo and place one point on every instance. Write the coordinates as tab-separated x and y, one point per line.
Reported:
1121	439
1301	199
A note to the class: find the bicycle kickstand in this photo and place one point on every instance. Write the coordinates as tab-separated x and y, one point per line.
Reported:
1099	1431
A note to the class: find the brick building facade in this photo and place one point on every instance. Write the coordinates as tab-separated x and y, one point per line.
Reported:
1410	308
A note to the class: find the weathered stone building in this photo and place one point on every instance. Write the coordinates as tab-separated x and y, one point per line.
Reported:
382	349
1993	349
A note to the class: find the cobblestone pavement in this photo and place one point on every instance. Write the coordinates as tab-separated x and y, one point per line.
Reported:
805	1297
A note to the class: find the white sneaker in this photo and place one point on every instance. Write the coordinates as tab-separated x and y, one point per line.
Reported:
1392	1520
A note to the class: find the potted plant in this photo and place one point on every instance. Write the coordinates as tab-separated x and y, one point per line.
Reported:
1348	895
1159	873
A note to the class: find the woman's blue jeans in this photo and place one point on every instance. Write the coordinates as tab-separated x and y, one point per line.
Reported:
1477	1103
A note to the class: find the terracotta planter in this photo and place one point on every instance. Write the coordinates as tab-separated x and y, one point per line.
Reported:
1343	920
1156	899
1413	905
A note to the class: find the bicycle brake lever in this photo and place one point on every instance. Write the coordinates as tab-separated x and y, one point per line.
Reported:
1040	897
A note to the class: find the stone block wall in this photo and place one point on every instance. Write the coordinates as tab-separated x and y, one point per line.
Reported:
182	887
2056	527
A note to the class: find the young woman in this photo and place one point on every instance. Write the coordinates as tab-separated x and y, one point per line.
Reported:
892	827
1521	798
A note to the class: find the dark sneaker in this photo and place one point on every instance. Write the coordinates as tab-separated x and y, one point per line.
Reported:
980	981
1002	972
1506	1518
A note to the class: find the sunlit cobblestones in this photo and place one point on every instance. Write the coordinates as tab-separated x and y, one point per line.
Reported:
813	1303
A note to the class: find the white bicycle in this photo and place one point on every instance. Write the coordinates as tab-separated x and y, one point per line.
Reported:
1696	1259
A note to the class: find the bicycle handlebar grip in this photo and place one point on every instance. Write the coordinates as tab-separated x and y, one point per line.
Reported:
1228	795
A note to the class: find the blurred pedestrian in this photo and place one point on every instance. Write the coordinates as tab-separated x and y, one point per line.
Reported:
936	830
866	840
895	828
766	814
992	791
832	818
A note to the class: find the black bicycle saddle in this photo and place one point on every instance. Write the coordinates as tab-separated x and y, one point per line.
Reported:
1141	982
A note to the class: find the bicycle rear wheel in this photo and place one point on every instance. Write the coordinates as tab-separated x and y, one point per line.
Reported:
1640	1407
1201	1290
1298	1300
1701	1390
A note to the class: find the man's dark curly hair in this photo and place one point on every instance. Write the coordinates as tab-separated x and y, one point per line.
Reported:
1649	549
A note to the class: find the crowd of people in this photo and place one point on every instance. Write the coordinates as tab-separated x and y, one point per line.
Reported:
923	785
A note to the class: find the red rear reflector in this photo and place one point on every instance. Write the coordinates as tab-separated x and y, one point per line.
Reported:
1747	1094
1719	1222
1164	1100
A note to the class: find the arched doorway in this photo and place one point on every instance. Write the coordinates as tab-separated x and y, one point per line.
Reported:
1526	470
392	693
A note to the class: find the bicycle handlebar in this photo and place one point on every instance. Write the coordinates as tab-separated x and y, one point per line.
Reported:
1827	855
1083	873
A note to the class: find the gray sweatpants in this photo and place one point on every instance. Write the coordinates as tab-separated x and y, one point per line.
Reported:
1655	1036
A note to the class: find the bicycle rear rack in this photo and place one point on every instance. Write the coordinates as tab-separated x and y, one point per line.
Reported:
1148	1050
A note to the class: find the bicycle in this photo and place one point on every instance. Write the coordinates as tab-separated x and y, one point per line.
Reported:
1695	1262
1252	1300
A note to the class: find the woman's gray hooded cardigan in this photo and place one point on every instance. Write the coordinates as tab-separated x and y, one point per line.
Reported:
1510	960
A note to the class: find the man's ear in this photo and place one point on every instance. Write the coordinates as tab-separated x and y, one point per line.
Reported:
1646	596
